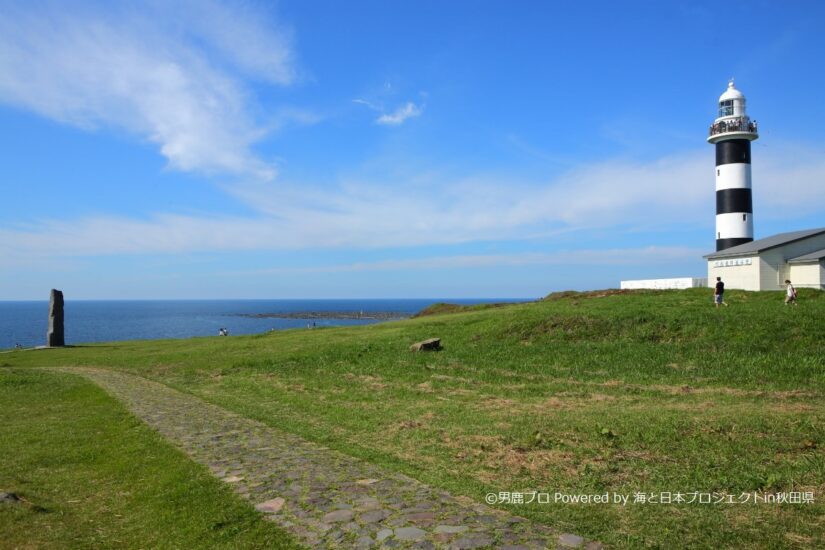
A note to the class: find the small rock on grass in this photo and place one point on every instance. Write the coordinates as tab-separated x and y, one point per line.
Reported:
431	344
11	498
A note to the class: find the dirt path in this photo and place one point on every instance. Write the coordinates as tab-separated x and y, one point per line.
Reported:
323	497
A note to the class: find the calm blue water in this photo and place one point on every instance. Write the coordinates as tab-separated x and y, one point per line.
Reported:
25	323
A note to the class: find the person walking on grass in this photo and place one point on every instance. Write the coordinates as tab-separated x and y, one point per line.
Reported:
719	293
790	296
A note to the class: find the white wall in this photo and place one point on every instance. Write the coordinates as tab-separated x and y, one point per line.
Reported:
773	270
742	277
661	284
807	275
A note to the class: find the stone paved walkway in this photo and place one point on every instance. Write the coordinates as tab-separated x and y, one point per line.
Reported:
324	498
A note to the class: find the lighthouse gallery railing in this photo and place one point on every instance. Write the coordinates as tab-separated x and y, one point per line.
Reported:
739	124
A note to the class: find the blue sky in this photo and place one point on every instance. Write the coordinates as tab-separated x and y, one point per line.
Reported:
308	149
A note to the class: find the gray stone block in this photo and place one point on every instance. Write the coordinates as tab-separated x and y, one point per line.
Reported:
55	334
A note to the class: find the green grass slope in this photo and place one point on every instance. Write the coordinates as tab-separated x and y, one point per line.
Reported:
89	475
645	392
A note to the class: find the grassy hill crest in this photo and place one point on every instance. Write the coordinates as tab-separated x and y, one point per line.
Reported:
604	391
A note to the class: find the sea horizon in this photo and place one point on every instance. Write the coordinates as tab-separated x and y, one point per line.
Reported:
24	322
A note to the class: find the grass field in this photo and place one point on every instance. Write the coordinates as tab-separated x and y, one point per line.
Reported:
89	475
629	393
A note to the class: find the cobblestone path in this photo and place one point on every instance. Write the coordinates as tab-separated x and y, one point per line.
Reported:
324	498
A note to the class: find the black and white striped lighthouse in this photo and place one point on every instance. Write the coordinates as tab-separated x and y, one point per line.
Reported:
732	133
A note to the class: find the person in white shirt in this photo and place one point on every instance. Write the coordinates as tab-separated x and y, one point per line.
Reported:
790	296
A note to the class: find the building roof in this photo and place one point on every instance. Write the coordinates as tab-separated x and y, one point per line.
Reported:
812	257
760	245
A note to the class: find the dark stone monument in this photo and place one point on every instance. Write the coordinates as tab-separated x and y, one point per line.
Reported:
54	337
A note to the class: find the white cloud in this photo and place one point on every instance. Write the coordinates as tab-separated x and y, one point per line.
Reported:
438	211
397	117
400	115
788	181
170	73
369	104
608	257
675	191
247	37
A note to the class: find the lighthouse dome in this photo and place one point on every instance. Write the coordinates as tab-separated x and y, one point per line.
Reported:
732	102
731	93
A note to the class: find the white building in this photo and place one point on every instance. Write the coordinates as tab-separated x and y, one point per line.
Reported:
764	264
662	284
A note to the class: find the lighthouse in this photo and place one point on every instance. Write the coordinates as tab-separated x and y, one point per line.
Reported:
732	133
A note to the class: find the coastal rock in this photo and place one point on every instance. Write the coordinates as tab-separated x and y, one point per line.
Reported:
54	336
431	344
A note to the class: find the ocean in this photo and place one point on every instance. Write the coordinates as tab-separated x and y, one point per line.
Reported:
25	323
